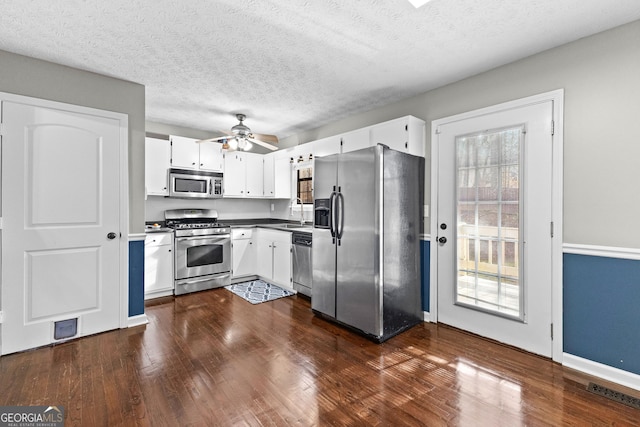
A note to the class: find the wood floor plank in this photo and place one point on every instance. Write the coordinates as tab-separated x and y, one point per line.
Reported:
212	359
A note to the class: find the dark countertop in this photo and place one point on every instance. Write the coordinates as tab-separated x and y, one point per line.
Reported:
277	224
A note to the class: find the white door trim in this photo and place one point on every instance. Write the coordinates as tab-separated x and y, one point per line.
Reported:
557	97
123	120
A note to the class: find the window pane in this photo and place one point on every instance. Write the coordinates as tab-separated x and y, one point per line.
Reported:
488	214
305	185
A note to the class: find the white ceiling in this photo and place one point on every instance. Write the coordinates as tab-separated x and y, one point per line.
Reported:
292	65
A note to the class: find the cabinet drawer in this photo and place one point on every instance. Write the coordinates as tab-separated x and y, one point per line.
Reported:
241	233
158	239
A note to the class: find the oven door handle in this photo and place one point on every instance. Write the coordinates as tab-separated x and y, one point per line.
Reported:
212	239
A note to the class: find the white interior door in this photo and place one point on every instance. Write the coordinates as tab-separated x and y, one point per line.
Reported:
494	219
60	200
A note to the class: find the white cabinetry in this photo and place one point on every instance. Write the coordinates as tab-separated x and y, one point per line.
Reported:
243	175
282	178
277	176
405	134
243	252
355	140
211	156
187	153
157	160
268	175
274	257
326	146
255	176
158	265
235	171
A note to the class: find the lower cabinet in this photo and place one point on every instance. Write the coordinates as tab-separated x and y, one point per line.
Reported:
274	256
243	252
158	265
264	253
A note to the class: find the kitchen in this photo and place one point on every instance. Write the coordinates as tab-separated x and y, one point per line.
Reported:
598	158
210	175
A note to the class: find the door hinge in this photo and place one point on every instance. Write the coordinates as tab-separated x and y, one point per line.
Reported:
406	128
551	229
1	129
552	332
553	127
340	142
1	316
438	130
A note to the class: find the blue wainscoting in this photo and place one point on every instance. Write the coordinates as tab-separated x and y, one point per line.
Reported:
602	310
425	254
136	277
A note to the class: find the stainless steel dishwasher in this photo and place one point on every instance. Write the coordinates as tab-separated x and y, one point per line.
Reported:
302	269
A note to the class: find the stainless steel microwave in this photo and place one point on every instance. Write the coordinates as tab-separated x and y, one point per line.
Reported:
186	183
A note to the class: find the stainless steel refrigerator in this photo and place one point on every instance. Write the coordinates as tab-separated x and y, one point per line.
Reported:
366	249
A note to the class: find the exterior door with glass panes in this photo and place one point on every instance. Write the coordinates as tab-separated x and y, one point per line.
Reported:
494	217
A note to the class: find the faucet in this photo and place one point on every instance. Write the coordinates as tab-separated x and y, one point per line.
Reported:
301	210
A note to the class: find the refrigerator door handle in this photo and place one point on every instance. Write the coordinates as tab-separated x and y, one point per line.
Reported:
340	228
332	208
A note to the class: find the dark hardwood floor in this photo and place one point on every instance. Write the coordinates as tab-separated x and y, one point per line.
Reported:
211	358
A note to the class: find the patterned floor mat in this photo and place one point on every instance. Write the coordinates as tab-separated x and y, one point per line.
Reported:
257	291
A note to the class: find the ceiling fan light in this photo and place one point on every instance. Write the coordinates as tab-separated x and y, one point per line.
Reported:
248	145
233	143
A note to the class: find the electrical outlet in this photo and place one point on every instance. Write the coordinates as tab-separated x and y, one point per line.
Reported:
272	207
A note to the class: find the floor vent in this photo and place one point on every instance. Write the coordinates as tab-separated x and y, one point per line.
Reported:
634	402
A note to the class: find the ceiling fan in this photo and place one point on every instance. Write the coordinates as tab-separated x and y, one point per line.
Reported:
241	138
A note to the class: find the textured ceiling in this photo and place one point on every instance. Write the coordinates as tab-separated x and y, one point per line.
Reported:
292	65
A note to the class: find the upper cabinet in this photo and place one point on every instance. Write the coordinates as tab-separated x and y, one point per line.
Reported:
405	134
326	146
243	174
254	177
235	170
277	175
356	140
187	153
157	160
211	156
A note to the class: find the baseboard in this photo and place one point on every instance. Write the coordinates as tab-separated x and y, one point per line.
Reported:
627	379
138	320
426	316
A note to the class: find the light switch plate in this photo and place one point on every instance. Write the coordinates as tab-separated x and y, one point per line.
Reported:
426	211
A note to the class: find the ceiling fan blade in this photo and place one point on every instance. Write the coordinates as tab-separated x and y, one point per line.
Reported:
219	138
262	143
271	139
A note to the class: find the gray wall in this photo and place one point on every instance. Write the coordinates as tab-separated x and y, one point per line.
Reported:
40	79
601	78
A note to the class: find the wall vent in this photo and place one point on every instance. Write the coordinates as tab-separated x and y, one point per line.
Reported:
617	396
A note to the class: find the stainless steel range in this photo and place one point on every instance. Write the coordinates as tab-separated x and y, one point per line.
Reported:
202	255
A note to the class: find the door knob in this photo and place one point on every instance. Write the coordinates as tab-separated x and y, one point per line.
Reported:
111	236
442	240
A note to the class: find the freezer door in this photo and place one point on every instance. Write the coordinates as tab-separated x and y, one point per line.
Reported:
323	250
358	280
